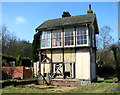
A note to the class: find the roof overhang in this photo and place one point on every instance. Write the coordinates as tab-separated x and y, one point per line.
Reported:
96	26
64	26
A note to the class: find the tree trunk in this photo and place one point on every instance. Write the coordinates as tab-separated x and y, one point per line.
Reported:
117	65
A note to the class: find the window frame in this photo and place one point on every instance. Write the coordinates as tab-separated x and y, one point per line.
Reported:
70	36
44	39
82	35
56	38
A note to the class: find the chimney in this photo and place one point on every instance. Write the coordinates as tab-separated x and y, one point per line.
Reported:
89	11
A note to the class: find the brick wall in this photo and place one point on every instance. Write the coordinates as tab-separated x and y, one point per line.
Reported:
17	72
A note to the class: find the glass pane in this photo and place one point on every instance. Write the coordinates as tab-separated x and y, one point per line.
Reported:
72	38
72	42
85	41
54	42
78	38
57	33
53	34
85	37
43	35
69	41
43	43
81	41
85	32
81	37
81	31
48	35
57	42
68	32
78	42
48	43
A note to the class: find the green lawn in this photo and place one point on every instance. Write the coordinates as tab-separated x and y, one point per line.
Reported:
102	86
93	88
12	89
98	88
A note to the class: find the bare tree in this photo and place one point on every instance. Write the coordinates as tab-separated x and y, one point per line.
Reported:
13	46
105	39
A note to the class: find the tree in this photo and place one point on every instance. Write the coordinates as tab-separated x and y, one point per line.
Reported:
104	38
114	48
104	41
13	46
8	41
66	14
35	46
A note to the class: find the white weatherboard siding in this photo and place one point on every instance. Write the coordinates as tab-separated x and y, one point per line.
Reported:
82	64
36	68
42	65
47	68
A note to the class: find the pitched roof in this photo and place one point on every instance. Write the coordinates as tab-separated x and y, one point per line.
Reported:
66	21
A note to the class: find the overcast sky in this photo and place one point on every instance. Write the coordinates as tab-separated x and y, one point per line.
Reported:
22	18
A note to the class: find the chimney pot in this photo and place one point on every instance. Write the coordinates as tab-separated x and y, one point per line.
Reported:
89	11
89	7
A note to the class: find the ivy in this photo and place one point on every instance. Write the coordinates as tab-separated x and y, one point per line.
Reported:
19	61
35	46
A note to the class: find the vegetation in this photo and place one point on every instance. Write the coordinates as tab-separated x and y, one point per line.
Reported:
102	86
107	53
35	46
104	39
98	88
108	57
66	14
13	46
114	48
12	89
19	61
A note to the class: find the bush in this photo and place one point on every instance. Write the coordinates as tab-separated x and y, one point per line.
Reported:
35	46
105	70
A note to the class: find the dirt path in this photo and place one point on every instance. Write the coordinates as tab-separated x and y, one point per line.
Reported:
50	88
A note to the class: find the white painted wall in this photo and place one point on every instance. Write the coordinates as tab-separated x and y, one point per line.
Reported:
36	68
82	64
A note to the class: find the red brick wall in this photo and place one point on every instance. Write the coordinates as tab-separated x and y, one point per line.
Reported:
18	72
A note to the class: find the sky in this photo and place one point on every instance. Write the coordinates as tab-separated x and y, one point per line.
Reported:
21	18
119	21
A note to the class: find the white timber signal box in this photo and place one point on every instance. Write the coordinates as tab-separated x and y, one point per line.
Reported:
68	47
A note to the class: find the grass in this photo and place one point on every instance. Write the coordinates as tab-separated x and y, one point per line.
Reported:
93	88
12	89
102	86
97	88
17	79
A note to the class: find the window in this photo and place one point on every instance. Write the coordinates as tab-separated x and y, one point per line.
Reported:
81	36
57	38
69	37
45	42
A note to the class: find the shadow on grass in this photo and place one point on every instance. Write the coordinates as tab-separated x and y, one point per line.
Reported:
107	79
15	83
